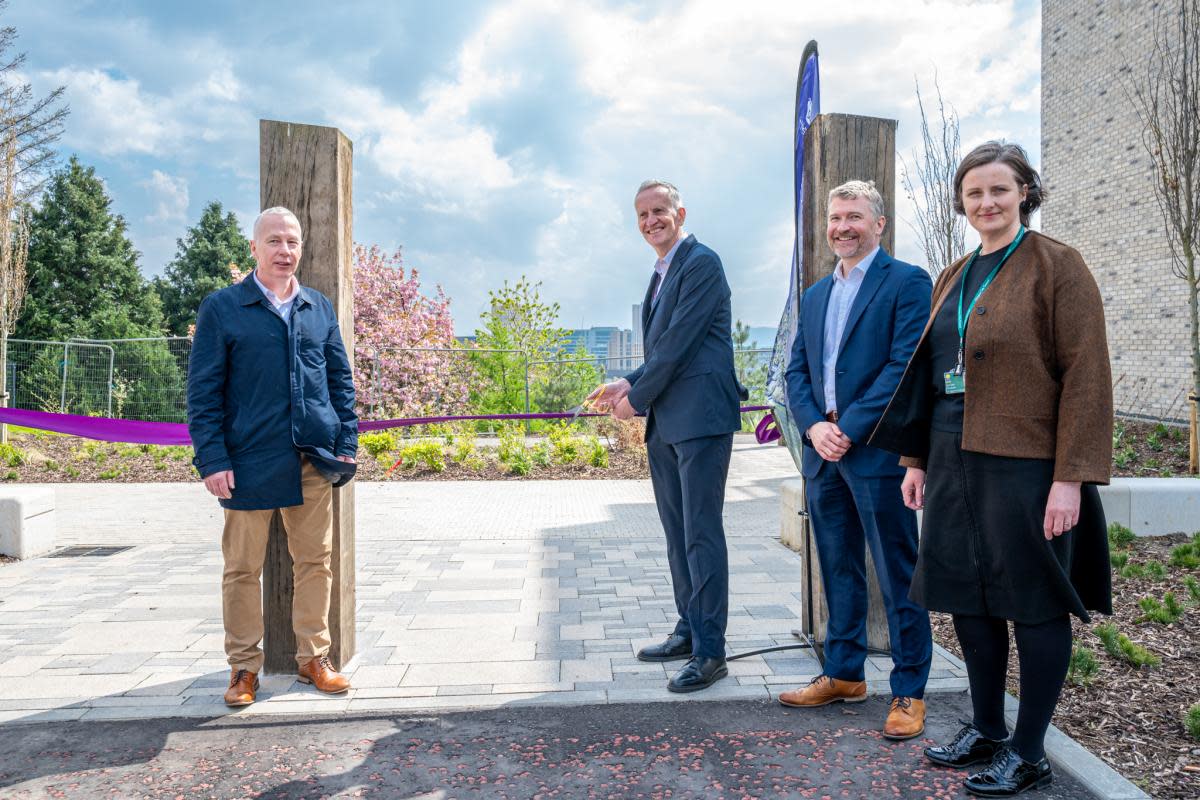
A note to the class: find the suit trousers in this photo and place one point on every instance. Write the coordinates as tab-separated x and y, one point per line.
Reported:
309	529
847	509
689	490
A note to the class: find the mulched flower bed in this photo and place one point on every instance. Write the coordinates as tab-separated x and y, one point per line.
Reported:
49	458
1133	717
1149	450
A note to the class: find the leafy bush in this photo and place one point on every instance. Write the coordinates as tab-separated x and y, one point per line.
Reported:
110	474
50	465
1155	569
425	454
512	443
1165	612
540	455
377	443
1118	560
11	475
1132	570
1120	537
1118	645
564	447
518	462
465	447
596	453
1193	587
1083	666
1186	556
1191	721
11	455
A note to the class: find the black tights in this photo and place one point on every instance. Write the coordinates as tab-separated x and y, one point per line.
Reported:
1043	651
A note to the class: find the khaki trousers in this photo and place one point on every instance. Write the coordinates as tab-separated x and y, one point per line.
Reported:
309	529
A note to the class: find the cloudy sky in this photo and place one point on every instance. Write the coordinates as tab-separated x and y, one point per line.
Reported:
500	139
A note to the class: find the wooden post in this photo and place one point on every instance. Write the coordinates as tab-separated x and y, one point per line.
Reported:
838	148
307	169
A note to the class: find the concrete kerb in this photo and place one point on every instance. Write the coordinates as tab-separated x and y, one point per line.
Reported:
1151	506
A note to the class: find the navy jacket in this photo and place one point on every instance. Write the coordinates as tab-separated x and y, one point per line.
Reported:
261	392
687	385
882	331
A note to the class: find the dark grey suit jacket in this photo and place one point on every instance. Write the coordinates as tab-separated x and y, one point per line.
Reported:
687	385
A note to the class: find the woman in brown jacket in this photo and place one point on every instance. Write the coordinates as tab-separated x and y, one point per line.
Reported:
1004	420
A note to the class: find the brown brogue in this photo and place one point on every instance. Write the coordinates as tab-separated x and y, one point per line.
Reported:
321	674
242	685
824	690
906	718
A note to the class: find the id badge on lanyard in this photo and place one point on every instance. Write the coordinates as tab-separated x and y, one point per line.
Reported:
956	379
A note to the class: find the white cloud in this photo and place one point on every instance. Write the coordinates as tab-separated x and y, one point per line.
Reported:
169	196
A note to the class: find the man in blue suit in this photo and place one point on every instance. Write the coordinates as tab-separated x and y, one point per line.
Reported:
859	327
689	392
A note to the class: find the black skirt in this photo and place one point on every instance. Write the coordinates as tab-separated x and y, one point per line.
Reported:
982	548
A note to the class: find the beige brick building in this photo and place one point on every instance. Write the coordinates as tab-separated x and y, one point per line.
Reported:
1100	200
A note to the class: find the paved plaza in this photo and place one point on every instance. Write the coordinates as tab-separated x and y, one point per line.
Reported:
470	595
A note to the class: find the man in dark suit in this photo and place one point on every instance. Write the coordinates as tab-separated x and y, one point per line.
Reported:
689	392
859	327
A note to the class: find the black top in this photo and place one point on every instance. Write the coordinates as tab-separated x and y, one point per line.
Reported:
943	344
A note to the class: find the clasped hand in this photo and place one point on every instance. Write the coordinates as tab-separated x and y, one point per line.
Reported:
611	397
829	441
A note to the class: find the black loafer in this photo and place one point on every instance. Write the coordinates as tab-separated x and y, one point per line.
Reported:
1009	774
967	748
697	674
674	648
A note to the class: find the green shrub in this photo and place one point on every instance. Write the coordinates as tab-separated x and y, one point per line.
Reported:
1118	560
12	475
1083	667
564	447
518	462
110	474
1193	587
464	446
11	455
512	443
540	455
425	454
1118	645
1165	612
1120	537
50	465
178	452
71	471
1186	556
377	443
1123	457
474	463
596	453
127	450
1191	721
1155	569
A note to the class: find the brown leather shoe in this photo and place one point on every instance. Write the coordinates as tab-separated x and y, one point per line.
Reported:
242	685
823	690
906	719
321	674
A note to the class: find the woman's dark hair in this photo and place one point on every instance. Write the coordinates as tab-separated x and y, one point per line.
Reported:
1017	160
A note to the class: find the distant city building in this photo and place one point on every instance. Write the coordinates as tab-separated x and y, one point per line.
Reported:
637	346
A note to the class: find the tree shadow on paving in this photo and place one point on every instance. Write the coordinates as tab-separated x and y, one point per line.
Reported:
691	749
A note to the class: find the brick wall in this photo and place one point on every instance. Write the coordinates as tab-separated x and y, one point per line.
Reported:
1100	197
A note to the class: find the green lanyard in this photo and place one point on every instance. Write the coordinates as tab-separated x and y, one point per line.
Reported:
964	317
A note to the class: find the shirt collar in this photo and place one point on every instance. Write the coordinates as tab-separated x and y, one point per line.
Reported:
662	264
271	296
861	266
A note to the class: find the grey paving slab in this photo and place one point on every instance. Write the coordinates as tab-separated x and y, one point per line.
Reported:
470	594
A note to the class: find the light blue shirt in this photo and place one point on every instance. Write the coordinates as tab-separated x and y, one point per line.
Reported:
841	300
282	307
663	264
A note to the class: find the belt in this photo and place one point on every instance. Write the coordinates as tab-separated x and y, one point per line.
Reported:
831	416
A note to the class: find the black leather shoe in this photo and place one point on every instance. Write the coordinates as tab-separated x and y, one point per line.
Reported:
699	673
967	748
1009	774
674	648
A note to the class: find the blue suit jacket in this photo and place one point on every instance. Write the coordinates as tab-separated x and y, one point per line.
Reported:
687	385
882	331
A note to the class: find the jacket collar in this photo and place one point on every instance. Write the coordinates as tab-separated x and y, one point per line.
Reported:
681	253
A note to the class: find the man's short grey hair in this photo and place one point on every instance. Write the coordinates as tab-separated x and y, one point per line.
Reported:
274	211
655	183
852	190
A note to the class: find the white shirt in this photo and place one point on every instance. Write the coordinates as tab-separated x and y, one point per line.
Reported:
841	299
282	307
663	264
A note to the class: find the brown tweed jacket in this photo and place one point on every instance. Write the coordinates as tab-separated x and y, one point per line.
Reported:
1038	378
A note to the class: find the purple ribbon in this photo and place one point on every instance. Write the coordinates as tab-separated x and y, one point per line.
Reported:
136	431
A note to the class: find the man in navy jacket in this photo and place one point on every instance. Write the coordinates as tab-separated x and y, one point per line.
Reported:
858	329
688	390
271	417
